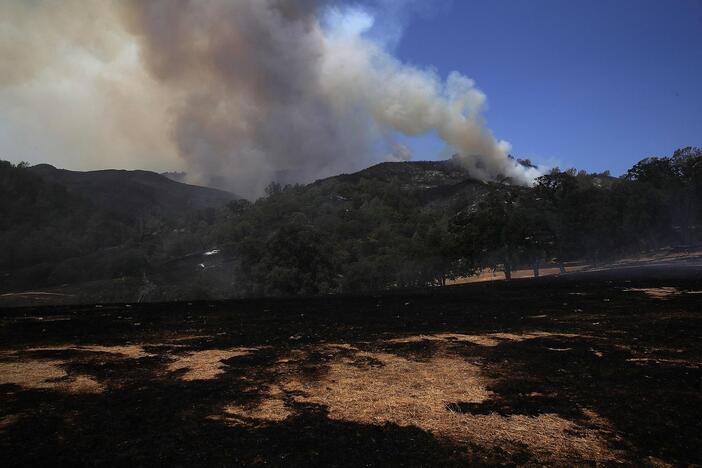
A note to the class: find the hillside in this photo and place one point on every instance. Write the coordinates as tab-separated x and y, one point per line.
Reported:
412	175
121	235
133	193
59	226
432	184
126	232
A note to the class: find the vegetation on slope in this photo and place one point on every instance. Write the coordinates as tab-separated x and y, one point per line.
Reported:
392	225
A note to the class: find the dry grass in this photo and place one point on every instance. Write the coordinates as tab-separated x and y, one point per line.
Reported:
489	339
82	384
45	374
49	374
205	365
31	373
489	275
380	388
129	351
51	318
481	340
190	338
365	387
657	293
671	362
270	410
549	437
407	393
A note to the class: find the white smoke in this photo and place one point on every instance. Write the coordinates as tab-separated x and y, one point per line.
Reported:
399	153
241	90
357	73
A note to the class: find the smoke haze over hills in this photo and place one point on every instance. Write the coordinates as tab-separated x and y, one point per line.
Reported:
236	91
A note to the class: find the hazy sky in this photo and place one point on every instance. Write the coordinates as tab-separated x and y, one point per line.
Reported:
224	88
595	84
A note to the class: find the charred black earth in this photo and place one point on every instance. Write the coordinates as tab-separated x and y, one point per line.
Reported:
598	367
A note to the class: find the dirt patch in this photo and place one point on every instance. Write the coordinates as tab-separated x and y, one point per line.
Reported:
205	365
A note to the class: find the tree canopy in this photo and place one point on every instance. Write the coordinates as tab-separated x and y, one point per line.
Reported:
393	225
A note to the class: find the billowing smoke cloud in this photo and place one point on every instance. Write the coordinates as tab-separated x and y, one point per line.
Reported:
73	91
243	91
251	103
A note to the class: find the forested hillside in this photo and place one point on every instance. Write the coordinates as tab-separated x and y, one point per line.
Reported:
393	225
59	226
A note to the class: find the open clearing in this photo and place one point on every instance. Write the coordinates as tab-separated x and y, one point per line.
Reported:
589	368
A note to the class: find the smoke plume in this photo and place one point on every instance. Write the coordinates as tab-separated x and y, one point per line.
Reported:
233	91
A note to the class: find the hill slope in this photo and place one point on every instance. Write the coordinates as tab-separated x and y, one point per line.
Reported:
130	193
430	184
411	174
113	224
120	235
59	226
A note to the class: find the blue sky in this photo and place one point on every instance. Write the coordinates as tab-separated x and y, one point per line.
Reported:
596	84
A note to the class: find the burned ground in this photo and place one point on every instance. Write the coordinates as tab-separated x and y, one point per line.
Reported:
590	368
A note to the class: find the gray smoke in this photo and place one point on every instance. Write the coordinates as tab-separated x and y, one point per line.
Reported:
241	90
250	100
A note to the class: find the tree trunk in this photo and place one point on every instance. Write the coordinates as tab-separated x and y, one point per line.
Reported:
561	266
508	271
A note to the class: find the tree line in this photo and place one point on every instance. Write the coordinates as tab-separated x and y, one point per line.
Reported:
351	235
374	235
